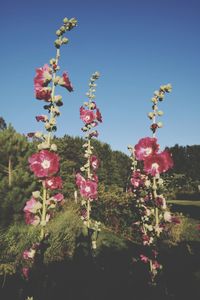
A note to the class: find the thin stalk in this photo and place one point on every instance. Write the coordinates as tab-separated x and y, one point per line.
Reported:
43	220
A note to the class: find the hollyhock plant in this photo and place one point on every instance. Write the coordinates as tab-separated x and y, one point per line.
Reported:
88	184
152	213
45	162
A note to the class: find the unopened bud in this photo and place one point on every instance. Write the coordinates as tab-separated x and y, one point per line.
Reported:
56	80
58	43
53	147
65	40
160	113
62	29
151	115
65	20
58	32
160	124
36	194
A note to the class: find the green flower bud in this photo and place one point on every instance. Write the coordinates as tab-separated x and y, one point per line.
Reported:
151	115
73	21
53	147
36	194
52	121
160	124
154	100
82	169
62	29
168	88
65	20
38	134
65	40
160	113
58	32
57	43
57	98
52	61
47	125
56	80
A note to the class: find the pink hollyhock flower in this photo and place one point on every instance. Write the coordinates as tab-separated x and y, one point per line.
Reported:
25	272
32	206
43	93
94	162
147	240
98	115
88	189
156	265
32	219
53	183
41	118
79	179
95	178
58	197
29	254
87	116
65	82
44	163
175	220
43	75
161	202
146	147
158	163
137	179
144	258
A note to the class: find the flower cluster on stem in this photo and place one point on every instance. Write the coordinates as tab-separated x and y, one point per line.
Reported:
146	185
88	182
45	162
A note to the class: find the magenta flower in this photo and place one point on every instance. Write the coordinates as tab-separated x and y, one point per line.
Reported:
43	76
94	162
44	163
29	254
88	189
87	116
25	272
65	82
146	147
156	265
98	115
161	202
41	118
32	206
32	219
144	258
79	179
53	183
43	93
137	179
58	197
158	163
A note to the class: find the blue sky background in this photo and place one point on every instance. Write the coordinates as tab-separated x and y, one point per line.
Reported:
136	46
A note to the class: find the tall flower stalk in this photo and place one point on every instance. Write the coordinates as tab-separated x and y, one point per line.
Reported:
45	162
146	185
88	182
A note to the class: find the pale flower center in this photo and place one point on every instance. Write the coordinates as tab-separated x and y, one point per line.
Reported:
87	189
45	164
155	166
148	151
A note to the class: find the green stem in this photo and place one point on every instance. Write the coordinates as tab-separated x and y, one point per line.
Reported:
43	219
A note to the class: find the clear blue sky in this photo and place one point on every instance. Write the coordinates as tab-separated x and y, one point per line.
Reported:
136	45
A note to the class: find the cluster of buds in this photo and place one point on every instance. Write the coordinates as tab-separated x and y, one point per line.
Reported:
153	216
45	162
158	96
88	184
67	26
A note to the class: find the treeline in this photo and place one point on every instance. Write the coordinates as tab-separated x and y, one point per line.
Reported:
17	182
